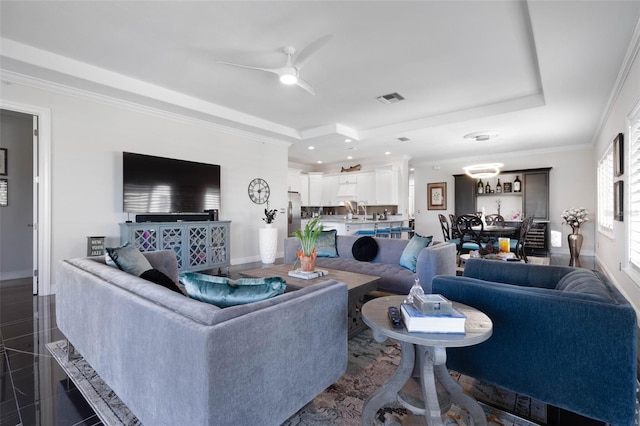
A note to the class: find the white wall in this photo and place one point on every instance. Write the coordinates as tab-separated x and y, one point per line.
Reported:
16	236
612	252
572	181
88	137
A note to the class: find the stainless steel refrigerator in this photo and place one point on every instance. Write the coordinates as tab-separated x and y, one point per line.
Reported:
293	213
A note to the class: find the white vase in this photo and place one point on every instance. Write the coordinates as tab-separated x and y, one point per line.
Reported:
268	244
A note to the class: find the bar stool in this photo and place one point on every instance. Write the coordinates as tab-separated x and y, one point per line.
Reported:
384	233
396	232
366	232
408	230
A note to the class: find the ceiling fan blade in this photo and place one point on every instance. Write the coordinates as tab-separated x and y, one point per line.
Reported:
312	48
306	86
273	70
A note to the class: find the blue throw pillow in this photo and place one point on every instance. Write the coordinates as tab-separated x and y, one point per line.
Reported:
128	258
224	292
409	257
326	244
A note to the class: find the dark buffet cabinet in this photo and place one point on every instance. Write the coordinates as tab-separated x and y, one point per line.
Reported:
535	201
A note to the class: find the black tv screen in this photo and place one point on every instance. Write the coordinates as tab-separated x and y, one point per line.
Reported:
164	185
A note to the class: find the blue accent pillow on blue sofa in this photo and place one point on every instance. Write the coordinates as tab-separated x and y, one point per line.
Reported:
224	292
409	257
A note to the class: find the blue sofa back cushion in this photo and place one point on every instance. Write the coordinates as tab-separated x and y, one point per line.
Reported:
326	244
584	281
409	257
224	292
364	249
127	258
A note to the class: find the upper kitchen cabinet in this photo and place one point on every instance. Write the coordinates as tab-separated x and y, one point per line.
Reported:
386	186
465	194
315	189
294	181
366	189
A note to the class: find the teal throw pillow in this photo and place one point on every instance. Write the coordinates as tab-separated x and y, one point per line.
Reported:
128	258
409	257
224	292
326	244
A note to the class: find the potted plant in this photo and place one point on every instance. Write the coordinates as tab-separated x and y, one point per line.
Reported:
308	237
268	237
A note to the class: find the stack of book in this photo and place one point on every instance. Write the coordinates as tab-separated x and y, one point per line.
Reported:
299	273
422	317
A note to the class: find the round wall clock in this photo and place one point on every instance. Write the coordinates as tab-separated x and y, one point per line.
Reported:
259	191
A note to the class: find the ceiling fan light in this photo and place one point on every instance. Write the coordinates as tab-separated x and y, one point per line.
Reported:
288	79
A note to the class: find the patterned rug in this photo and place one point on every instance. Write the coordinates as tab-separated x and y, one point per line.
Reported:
370	364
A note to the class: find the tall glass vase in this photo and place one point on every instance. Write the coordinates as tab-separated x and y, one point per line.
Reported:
575	244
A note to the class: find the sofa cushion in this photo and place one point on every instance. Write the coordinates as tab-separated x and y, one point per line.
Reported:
224	292
409	257
364	249
584	281
156	276
326	244
127	258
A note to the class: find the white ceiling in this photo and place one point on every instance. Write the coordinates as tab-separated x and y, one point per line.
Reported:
540	73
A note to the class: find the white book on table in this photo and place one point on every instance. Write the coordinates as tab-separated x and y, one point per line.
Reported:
416	321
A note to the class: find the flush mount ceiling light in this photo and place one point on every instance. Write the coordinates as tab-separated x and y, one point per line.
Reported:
483	171
482	136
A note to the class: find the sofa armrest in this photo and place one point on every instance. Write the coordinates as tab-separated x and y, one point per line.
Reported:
572	351
436	259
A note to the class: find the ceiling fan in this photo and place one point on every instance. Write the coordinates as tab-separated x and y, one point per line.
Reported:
290	72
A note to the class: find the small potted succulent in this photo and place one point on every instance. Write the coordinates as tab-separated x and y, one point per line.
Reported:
308	237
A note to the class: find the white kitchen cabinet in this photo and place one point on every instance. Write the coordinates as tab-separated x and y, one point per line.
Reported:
330	190
293	180
315	189
366	188
304	190
386	186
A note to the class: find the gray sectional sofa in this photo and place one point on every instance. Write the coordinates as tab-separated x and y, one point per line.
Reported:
436	259
177	361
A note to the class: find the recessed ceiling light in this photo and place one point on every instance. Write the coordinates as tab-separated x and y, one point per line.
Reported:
349	158
482	136
347	140
312	147
319	161
387	153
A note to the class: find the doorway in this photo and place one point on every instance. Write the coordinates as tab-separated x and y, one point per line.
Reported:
18	211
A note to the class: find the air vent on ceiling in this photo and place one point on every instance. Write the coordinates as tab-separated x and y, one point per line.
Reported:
391	98
403	139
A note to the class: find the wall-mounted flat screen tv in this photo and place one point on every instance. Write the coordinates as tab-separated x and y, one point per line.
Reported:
164	185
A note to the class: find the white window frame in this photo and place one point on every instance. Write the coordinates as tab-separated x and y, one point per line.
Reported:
632	193
605	193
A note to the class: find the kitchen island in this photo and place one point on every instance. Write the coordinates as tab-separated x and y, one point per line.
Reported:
352	226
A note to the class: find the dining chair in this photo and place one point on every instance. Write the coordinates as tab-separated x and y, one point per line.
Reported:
455	233
444	224
518	246
471	231
494	220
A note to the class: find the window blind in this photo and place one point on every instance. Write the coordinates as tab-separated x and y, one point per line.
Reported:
634	191
605	193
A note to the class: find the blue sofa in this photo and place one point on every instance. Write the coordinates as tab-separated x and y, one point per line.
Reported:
436	259
563	335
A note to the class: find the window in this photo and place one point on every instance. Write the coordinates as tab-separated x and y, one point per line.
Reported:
605	193
634	190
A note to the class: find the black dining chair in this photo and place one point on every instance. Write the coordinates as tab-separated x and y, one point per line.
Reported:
518	245
494	220
454	227
471	231
444	224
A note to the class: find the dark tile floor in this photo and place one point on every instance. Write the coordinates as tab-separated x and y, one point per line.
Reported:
34	390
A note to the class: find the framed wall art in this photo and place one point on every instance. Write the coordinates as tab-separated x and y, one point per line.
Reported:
4	192
618	200
3	161
437	196
618	155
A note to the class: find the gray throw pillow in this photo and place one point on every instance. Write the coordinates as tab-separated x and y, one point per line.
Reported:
128	258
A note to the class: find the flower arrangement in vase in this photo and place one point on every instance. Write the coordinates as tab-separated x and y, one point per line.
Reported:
575	217
308	238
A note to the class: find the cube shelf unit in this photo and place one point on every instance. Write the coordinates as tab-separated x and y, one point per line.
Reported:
198	245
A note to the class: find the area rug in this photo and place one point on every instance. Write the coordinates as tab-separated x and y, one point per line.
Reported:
370	364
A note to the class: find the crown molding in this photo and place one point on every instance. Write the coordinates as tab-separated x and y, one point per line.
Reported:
10	77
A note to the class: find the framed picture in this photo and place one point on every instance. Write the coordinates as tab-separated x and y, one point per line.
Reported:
437	196
506	187
3	161
4	192
618	200
618	155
